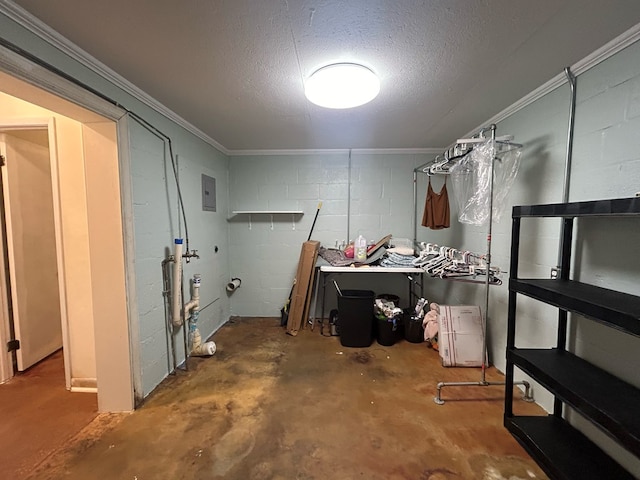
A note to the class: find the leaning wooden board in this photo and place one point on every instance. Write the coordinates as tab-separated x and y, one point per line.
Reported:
307	305
302	287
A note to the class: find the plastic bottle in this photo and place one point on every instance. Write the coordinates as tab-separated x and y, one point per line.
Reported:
361	248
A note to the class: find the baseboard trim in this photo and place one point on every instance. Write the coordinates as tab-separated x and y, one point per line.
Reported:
84	385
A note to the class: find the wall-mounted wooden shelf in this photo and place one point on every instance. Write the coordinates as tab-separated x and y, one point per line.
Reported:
271	213
267	212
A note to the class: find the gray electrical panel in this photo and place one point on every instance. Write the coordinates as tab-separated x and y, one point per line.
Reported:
208	193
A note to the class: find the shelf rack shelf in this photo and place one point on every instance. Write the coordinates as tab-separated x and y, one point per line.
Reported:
611	308
598	396
553	443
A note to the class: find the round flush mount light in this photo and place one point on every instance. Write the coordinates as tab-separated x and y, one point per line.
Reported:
342	85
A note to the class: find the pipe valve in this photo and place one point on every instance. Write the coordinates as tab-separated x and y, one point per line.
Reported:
191	254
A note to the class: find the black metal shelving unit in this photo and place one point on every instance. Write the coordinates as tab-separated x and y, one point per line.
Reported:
603	399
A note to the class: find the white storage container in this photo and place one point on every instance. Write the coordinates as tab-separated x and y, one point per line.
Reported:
460	335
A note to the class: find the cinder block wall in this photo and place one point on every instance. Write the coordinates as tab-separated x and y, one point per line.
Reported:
157	223
377	201
155	213
606	164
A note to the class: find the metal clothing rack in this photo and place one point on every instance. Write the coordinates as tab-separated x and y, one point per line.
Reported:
483	381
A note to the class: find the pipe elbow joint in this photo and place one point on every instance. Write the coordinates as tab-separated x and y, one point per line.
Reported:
193	304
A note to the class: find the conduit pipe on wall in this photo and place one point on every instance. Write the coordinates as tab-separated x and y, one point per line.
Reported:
572	120
349	199
166	294
567	166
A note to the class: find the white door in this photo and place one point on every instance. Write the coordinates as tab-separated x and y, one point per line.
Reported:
6	359
31	244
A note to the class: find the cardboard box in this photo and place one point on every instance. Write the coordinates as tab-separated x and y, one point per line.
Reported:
460	336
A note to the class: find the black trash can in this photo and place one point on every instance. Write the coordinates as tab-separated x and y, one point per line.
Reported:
390	297
413	331
388	330
355	313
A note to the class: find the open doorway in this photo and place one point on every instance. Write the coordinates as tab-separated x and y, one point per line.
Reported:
92	187
37	406
91	237
45	252
29	265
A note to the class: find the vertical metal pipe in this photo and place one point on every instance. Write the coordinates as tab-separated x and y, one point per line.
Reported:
166	295
566	230
572	117
567	165
415	208
349	198
488	259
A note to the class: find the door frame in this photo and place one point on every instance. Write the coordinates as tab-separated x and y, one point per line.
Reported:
6	359
7	371
118	369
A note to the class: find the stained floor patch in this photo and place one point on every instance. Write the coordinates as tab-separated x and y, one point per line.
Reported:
271	406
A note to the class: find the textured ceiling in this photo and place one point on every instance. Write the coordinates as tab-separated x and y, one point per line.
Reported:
235	69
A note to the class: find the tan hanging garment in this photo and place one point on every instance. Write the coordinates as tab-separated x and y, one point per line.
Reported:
436	208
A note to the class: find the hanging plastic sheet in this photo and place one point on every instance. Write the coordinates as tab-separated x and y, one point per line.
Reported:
471	183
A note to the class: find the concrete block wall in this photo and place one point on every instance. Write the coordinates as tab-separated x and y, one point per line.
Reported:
378	200
605	164
371	194
154	217
155	213
157	222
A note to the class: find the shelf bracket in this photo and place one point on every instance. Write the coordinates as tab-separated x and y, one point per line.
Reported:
249	221
271	221
293	221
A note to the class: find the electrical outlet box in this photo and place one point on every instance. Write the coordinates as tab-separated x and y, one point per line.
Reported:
208	193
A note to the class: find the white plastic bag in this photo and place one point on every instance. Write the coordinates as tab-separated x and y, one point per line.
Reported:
470	178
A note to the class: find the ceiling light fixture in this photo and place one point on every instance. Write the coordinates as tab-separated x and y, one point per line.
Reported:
342	85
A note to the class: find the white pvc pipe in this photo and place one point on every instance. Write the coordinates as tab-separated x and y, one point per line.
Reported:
193	306
194	303
176	296
204	349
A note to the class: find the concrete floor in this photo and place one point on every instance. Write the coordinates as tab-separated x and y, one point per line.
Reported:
271	406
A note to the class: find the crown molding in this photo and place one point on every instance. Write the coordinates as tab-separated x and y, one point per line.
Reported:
289	152
338	151
398	151
39	28
18	67
49	35
603	53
